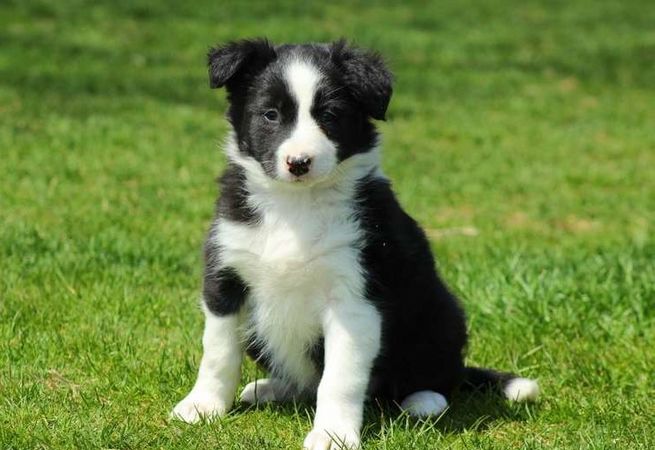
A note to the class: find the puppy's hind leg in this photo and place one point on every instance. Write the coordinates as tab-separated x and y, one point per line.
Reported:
266	390
423	404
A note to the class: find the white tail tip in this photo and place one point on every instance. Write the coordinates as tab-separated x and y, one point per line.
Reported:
521	390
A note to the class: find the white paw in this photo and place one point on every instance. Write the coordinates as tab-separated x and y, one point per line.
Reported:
263	390
424	404
198	405
331	439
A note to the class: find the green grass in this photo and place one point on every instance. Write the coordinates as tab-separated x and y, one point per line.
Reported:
521	135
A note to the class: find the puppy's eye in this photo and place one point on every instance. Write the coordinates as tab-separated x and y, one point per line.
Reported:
328	116
272	115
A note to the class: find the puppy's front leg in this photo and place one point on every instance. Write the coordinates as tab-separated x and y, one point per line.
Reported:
213	394
219	373
352	341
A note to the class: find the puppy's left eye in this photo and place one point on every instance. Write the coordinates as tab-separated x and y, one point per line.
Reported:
328	116
272	115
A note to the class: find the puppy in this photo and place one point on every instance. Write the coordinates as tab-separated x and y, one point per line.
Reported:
311	265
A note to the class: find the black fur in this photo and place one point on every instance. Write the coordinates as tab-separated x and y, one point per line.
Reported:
224	291
235	62
416	305
485	379
366	76
232	204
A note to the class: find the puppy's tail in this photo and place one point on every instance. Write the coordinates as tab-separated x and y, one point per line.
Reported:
511	386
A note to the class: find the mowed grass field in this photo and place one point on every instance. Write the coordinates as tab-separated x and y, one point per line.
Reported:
521	135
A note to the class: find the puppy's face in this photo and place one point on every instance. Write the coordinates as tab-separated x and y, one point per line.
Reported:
301	110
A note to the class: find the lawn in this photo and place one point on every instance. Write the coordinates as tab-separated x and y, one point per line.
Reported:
521	135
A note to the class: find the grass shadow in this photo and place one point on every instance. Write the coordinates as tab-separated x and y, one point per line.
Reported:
467	411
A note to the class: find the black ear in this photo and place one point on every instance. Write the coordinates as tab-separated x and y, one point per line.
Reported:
234	60
366	76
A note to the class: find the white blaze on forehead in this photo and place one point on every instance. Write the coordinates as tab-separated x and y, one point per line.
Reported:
303	79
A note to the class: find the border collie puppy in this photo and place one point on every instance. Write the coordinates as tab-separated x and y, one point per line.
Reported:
311	265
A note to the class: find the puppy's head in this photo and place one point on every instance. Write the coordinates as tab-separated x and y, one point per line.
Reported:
301	110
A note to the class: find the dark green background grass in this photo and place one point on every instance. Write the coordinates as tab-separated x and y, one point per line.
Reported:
521	135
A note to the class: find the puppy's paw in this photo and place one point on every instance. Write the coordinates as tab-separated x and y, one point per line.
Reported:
198	405
424	404
264	390
332	438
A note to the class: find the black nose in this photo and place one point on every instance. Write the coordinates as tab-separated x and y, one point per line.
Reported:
299	165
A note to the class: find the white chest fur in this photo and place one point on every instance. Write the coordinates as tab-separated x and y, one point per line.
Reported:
301	255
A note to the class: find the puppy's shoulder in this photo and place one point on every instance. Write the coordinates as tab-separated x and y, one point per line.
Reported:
232	203
391	233
376	203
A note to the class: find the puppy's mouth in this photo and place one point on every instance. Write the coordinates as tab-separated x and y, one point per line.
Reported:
308	179
299	179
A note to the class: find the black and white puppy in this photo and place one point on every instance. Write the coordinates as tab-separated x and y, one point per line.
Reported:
312	267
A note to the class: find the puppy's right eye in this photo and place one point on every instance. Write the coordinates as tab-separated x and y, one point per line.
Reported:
271	115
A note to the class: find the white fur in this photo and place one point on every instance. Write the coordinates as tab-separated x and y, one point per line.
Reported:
218	376
521	389
301	251
307	138
352	330
424	404
267	390
301	261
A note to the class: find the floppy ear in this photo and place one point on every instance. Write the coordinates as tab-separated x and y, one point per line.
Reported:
238	59
366	76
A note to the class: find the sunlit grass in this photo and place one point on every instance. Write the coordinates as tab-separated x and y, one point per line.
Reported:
520	135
